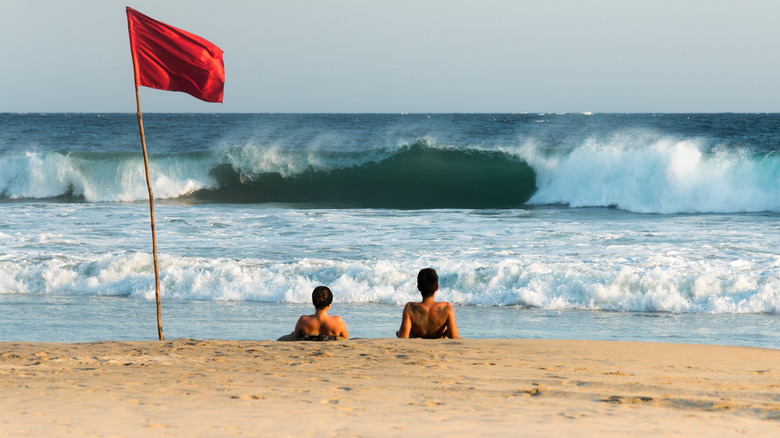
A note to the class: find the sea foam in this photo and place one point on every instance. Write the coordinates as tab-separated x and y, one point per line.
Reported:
662	284
656	174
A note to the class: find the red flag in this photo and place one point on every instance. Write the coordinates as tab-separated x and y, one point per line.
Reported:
168	58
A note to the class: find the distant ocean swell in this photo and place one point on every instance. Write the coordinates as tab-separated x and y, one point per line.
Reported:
685	287
647	175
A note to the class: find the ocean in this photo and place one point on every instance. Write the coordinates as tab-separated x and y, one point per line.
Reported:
634	227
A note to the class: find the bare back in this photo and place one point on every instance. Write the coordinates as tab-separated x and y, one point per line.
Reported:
320	324
428	319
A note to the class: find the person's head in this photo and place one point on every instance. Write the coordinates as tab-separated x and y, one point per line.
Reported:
427	282
321	297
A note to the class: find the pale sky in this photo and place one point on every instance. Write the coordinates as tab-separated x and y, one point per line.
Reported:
407	55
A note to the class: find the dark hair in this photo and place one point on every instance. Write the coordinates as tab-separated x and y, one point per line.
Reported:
427	282
321	297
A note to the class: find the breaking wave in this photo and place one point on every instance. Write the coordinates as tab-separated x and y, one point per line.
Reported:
639	172
645	173
420	175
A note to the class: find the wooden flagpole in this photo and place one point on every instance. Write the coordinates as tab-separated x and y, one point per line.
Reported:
192	55
151	210
148	179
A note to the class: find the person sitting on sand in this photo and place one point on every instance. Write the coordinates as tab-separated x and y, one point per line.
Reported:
321	326
428	319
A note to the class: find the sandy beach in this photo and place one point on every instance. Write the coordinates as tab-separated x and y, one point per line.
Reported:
387	387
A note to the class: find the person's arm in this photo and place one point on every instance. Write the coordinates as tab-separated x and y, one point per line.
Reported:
406	322
452	324
298	333
343	329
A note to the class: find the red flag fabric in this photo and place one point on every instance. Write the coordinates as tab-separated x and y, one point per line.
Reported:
167	58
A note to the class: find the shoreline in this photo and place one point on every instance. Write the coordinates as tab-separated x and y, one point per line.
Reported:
387	387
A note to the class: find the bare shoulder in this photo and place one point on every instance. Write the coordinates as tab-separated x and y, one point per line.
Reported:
418	309
304	319
303	326
341	324
444	307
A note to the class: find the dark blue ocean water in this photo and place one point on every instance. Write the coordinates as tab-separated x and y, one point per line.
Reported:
606	226
650	163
